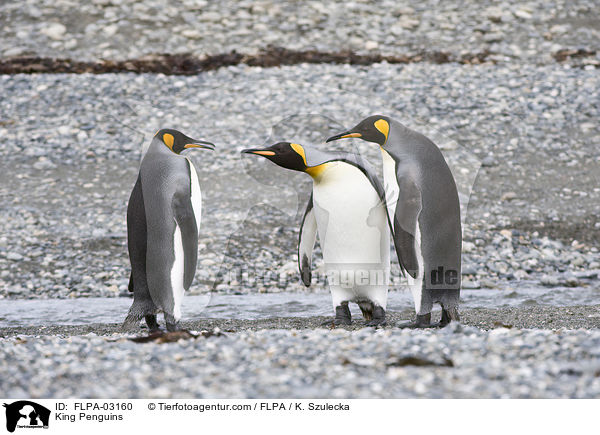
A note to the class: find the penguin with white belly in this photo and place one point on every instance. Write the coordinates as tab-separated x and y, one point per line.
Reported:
163	222
347	211
424	211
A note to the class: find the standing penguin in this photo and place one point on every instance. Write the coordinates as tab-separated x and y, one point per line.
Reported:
347	209
163	221
424	212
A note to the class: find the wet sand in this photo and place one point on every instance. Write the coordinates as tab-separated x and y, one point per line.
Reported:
534	317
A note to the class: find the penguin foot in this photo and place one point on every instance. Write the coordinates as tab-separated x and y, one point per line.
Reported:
376	323
172	324
173	327
142	308
152	323
449	315
378	317
342	316
366	307
421	322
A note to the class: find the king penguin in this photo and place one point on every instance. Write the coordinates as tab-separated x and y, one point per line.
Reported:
347	211
163	222
424	211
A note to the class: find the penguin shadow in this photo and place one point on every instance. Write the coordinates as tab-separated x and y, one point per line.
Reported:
161	337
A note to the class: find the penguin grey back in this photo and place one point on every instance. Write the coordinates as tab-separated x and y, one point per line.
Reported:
440	209
165	187
163	229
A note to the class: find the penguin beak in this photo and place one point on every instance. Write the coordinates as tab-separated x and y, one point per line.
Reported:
259	151
200	144
344	135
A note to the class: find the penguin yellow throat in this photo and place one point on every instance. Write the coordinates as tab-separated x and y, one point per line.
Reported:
314	171
317	171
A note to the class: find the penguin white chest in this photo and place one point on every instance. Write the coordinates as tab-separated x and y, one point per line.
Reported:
390	183
351	220
195	194
177	270
177	273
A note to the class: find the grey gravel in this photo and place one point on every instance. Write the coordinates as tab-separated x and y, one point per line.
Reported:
463	362
513	31
72	149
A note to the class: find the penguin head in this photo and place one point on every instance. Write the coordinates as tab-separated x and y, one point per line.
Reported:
285	154
372	129
176	141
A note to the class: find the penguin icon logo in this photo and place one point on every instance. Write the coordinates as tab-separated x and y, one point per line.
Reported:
26	414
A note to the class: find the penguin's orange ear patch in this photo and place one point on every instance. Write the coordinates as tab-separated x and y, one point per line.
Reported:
299	150
383	126
168	139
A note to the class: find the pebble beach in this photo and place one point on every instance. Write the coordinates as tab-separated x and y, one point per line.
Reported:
518	128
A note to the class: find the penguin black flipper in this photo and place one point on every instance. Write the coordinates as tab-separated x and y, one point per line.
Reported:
136	234
405	220
186	221
306	242
137	246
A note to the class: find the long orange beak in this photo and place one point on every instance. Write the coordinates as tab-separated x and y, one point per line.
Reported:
200	144
346	134
259	151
